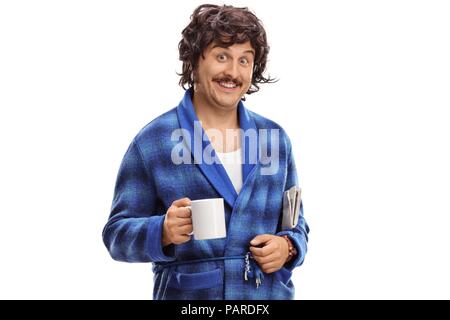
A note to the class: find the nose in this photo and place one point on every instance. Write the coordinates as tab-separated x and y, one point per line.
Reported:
232	69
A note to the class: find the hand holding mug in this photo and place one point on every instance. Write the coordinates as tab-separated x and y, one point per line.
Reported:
177	223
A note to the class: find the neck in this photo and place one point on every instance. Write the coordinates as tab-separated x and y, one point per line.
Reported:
215	117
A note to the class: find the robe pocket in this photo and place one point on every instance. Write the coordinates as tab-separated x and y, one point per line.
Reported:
198	280
283	275
283	288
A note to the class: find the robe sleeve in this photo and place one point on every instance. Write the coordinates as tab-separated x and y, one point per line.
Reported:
299	234
133	232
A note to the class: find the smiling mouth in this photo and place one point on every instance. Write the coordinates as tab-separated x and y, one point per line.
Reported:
228	86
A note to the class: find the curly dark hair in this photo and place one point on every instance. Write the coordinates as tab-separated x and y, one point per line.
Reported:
226	25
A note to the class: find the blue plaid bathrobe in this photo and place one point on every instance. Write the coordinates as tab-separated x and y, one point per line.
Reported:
148	182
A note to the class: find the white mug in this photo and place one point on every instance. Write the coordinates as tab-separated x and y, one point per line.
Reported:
208	219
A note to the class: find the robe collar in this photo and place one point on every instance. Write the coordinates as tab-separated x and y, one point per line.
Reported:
199	142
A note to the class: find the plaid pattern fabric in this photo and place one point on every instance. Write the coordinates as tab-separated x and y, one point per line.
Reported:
147	184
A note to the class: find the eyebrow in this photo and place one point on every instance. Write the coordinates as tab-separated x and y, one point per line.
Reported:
246	51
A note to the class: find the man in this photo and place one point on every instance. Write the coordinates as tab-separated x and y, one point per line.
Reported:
224	53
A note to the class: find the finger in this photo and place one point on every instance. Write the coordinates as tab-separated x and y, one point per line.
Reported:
182	202
185	230
271	270
275	256
264	251
271	265
259	239
183	212
258	252
181	239
183	221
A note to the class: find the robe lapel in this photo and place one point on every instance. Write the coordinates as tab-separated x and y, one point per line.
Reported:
249	141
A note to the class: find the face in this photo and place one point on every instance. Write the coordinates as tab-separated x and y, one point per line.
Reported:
224	75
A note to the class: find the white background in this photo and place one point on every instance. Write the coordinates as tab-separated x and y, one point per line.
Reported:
363	94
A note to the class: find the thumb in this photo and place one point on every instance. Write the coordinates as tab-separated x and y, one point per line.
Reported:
262	238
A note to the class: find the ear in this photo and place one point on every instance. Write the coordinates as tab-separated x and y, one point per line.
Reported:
193	79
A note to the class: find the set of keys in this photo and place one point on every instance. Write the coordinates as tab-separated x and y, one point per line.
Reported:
253	273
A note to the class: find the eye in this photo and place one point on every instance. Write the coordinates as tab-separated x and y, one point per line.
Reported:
221	57
244	61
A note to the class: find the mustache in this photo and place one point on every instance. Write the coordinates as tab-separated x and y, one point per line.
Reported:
228	79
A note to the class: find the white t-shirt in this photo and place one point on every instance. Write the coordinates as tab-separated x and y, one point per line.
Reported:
232	162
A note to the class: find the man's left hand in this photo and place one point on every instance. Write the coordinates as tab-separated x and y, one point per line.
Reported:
269	251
